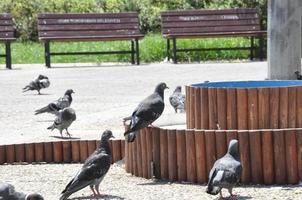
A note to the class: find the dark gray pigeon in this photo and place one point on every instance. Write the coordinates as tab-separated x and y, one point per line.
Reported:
57	105
93	171
63	120
226	171
7	192
39	83
146	112
178	100
298	74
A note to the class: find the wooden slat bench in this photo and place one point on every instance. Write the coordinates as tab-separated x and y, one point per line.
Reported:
187	24
7	35
89	27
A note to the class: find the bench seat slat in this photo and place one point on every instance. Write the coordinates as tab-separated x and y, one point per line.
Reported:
86	15
87	27
6	29
5	16
221	34
6	35
209	11
87	33
76	21
93	38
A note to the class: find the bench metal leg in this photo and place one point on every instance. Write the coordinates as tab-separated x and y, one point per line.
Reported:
137	51
261	53
8	57
252	48
174	51
168	49
132	52
47	54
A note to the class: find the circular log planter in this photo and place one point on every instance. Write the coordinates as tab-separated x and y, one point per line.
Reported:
74	151
268	156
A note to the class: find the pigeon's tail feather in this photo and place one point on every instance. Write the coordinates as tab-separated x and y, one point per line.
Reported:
26	88
211	189
65	195
131	136
42	110
51	127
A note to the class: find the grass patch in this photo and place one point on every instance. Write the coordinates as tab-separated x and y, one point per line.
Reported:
152	49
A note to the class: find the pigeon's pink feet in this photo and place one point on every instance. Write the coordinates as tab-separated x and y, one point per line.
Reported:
234	194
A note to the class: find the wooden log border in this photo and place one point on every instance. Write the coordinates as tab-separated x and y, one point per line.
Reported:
243	108
73	151
268	156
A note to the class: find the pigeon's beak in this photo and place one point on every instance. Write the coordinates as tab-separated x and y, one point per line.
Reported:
167	87
112	136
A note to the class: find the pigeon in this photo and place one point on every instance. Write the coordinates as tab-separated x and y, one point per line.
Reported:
146	112
57	105
7	192
94	169
177	100
39	83
63	120
298	74
226	171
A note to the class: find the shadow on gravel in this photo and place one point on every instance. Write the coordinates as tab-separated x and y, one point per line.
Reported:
103	197
65	138
32	94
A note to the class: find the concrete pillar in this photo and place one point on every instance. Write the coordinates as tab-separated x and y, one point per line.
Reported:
284	38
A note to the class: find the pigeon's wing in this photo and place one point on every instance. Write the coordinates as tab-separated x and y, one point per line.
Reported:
151	108
63	102
95	168
7	192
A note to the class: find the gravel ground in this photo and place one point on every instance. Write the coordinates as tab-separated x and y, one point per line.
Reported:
50	179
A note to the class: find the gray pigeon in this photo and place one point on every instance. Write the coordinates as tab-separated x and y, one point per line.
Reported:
63	120
39	83
178	100
57	105
93	171
226	171
146	112
7	192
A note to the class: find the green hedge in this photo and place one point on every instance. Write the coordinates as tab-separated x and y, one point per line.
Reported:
25	12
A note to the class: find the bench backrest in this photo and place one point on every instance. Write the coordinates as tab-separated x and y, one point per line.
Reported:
87	26
7	30
209	21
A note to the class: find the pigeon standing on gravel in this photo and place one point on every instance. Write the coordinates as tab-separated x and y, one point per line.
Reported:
57	105
63	120
226	171
146	112
39	83
7	192
93	171
177	100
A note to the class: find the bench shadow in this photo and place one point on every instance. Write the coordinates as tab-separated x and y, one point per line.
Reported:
96	66
65	138
103	197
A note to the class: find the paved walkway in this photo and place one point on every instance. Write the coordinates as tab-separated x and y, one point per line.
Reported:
103	94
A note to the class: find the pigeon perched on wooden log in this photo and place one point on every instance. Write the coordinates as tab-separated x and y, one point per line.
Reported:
147	112
63	120
39	83
226	171
93	171
177	100
7	192
57	105
298	74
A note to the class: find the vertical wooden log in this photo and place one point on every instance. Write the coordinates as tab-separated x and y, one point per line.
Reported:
263	108
20	152
164	154
116	153
299	107
253	108
230	135
291	157
292	107
274	107
197	109
156	152
30	152
10	153
2	155
139	153
283	106
130	147
57	151
210	145
144	153
299	152
221	144
127	158
244	149
191	156
123	149
204	108
242	109
75	151
279	157
201	168
221	108
91	147
181	156
110	145
83	150
192	107
48	152
256	156
134	158
213	121
268	157
172	158
149	151
188	107
231	108
67	155
39	152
